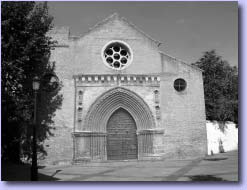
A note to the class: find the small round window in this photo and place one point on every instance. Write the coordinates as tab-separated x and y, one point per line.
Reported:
117	55
180	84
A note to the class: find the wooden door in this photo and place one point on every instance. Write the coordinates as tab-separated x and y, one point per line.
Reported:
121	136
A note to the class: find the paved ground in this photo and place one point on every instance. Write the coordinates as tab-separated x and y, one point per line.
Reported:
221	167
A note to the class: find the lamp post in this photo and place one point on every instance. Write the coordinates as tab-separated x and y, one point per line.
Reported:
50	83
34	167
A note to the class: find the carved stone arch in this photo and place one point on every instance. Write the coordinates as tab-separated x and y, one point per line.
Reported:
100	111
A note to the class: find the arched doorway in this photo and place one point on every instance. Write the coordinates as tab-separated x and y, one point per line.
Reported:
121	136
91	143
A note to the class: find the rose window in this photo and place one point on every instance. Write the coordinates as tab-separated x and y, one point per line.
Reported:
117	55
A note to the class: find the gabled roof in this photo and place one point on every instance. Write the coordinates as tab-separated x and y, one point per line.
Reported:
115	16
180	61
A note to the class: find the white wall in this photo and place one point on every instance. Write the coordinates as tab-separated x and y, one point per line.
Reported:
226	140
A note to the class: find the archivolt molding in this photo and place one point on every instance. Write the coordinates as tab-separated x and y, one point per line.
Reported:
101	110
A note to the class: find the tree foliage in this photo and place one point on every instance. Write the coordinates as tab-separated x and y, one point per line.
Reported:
220	87
25	54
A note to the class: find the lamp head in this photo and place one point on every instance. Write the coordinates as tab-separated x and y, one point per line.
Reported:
36	83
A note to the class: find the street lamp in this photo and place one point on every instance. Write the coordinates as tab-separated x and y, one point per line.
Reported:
50	83
34	167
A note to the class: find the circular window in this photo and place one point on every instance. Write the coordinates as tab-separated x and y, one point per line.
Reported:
117	55
180	84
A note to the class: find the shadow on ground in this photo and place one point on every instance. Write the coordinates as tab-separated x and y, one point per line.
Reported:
214	159
21	172
205	178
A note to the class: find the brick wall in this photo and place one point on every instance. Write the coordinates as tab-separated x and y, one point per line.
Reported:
183	113
59	147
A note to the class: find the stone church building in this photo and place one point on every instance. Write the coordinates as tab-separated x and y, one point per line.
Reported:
123	98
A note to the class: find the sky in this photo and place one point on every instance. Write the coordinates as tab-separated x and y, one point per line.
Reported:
186	29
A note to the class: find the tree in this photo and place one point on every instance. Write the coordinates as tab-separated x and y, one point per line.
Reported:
220	87
25	54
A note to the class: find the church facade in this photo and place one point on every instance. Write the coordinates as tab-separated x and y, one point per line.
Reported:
123	98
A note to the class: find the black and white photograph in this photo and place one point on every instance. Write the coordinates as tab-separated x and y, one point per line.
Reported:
119	91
